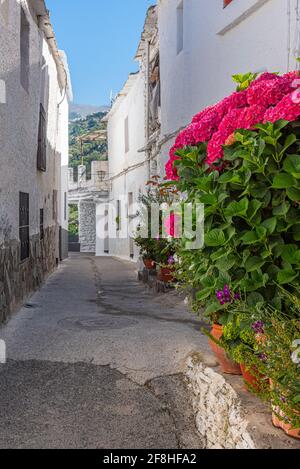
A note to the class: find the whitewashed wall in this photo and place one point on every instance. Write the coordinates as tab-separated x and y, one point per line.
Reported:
19	120
130	104
248	35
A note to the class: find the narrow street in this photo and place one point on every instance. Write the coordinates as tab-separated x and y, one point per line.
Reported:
95	360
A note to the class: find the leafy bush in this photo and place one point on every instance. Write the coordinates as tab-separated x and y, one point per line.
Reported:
252	216
160	248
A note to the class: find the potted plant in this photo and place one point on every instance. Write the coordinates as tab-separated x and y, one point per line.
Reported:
166	271
282	365
154	249
220	335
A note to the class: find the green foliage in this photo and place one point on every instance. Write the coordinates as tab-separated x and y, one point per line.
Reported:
159	248
92	151
73	220
252	216
244	80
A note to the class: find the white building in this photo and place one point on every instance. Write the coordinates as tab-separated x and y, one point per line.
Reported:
203	43
86	193
192	48
34	92
133	130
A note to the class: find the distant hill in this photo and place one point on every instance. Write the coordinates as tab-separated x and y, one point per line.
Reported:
81	111
92	151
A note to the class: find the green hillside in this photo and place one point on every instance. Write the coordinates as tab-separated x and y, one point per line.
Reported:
91	150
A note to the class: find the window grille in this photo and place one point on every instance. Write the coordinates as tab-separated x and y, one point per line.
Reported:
24	225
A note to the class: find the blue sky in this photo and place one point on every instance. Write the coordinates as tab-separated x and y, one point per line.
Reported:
100	38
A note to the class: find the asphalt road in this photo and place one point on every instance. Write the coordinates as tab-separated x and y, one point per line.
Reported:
95	360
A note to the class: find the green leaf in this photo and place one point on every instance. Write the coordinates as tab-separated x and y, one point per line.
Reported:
254	206
294	194
212	308
215	238
226	263
281	210
283	181
289	253
250	237
290	140
237	208
203	294
231	177
222	252
209	199
270	225
281	124
286	276
261	232
254	263
292	165
254	299
296	232
258	189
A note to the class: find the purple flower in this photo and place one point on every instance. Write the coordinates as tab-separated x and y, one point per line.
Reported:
237	296
171	260
263	357
220	295
258	327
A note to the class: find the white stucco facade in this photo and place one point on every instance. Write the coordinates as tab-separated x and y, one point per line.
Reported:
128	166
247	35
19	120
133	130
33	74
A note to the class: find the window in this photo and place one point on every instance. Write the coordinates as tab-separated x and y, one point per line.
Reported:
41	223
24	225
226	3
24	50
4	10
101	176
42	141
54	205
126	131
180	27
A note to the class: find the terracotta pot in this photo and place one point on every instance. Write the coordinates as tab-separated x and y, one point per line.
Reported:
281	423
252	378
166	274
227	365
149	264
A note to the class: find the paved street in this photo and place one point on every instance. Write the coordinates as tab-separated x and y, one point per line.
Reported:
95	360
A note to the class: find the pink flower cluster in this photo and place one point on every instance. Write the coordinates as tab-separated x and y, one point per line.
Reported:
171	225
268	99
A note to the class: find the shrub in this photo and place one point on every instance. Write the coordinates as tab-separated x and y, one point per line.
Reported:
252	216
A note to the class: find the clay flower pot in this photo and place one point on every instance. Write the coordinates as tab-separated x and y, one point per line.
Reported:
283	424
251	377
227	365
280	420
149	264
166	274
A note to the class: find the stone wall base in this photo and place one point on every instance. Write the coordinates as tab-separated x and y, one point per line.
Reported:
19	280
227	415
218	412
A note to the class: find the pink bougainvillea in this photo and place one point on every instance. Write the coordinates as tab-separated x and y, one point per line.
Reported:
269	98
171	225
